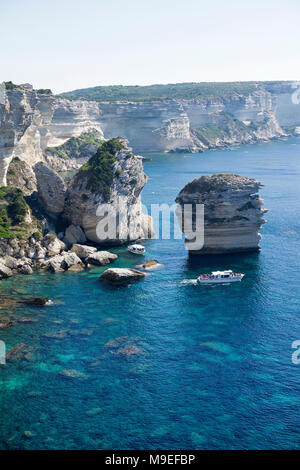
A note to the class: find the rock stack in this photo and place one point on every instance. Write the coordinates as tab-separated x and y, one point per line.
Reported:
233	213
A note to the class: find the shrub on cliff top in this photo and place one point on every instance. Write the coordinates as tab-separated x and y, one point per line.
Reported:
99	169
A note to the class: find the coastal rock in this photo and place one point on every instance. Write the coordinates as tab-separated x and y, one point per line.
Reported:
38	301
5	324
71	259
21	176
110	183
101	258
51	189
233	214
83	251
11	263
53	244
74	234
25	269
5	272
150	265
121	276
63	262
74	152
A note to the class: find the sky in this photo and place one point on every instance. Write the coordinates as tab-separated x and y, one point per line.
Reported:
70	44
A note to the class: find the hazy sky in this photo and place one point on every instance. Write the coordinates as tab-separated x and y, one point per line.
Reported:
69	44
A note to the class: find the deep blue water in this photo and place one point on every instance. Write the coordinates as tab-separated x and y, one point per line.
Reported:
214	369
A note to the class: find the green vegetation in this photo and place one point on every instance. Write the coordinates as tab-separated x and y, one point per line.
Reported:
186	91
99	169
209	132
77	147
10	85
45	91
13	210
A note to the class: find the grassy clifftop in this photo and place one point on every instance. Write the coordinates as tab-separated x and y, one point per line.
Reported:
186	91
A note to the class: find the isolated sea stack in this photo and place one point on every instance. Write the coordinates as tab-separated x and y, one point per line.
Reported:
233	213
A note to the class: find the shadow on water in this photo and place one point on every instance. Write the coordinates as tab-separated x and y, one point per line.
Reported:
236	261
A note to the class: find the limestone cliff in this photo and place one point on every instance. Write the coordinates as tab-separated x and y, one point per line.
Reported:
233	212
111	180
33	123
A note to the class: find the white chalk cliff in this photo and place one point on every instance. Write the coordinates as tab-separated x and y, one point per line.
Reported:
233	213
32	121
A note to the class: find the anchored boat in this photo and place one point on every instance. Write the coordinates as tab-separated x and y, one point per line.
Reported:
137	249
220	277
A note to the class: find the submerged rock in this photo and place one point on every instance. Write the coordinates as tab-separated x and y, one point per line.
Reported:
60	334
121	276
5	324
38	301
130	350
150	264
27	320
17	353
72	374
233	214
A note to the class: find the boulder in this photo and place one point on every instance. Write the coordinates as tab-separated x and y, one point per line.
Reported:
5	324
121	276
70	259
101	258
55	264
53	244
63	262
5	272
51	189
11	262
25	269
38	301
74	234
83	251
150	264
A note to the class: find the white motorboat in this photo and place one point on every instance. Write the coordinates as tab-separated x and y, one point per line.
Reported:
137	249
220	277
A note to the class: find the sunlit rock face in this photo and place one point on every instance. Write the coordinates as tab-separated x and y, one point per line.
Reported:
233	213
88	207
31	121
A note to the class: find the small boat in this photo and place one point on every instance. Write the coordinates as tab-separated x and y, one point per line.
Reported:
137	249
220	277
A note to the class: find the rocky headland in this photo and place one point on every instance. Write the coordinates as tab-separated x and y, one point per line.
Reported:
233	213
38	126
47	222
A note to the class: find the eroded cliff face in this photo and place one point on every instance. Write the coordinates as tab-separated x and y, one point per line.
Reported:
107	193
233	213
31	122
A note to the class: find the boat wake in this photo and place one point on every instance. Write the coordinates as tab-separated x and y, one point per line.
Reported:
189	282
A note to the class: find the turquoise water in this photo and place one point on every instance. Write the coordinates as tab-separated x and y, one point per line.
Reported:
213	369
